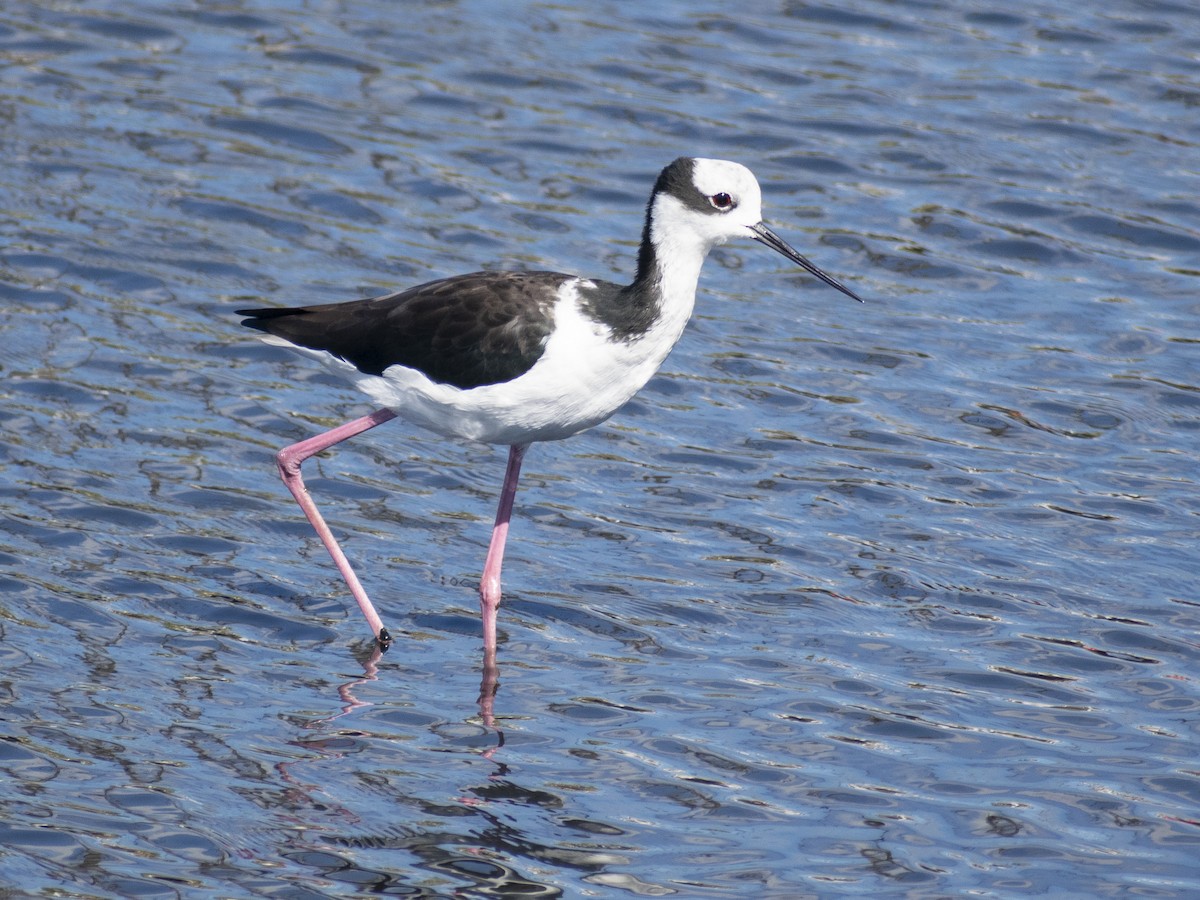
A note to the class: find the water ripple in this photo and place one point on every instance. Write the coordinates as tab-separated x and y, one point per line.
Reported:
850	598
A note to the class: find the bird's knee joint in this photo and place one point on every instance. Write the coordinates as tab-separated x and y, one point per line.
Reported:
289	466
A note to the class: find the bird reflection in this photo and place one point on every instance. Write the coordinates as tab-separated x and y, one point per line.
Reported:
489	686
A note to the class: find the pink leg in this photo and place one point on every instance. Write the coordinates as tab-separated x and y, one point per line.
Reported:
489	586
289	460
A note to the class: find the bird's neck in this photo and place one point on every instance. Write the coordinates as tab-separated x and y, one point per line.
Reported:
671	250
657	305
669	262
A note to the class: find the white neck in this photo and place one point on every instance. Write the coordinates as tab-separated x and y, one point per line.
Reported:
679	252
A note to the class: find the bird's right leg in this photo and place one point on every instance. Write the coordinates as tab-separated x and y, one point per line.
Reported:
489	585
289	460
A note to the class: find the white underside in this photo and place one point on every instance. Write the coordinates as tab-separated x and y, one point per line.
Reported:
582	378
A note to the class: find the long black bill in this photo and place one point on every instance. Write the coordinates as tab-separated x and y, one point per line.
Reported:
765	235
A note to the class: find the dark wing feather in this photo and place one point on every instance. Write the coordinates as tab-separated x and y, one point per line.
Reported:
466	331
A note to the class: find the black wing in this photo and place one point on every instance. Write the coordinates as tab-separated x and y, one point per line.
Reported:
466	331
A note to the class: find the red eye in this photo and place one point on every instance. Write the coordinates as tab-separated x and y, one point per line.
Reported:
721	201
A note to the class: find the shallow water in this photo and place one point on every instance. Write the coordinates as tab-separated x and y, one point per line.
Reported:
893	598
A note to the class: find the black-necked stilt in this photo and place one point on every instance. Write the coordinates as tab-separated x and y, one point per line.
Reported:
517	357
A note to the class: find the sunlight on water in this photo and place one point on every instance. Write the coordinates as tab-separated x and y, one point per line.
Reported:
894	597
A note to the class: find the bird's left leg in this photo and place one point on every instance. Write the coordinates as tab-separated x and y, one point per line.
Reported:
289	460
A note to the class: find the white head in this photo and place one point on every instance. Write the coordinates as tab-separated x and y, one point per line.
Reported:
710	200
698	203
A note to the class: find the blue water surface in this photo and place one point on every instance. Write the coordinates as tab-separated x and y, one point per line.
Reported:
896	599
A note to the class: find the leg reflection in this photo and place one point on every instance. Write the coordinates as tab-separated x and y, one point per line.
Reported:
489	684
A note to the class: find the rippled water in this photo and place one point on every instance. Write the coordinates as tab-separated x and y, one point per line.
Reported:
894	598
